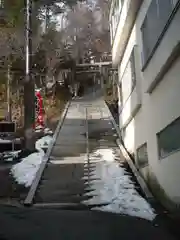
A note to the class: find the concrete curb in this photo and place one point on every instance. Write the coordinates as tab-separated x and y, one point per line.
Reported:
126	156
140	180
30	196
70	205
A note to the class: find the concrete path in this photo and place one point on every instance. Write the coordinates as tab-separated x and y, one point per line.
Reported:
66	180
63	178
55	224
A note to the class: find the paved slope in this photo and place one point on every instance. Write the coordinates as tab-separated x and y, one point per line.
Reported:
44	224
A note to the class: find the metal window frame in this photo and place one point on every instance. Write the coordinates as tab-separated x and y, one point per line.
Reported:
145	164
135	82
145	61
114	28
158	143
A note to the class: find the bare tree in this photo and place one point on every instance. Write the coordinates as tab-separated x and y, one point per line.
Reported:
88	31
11	43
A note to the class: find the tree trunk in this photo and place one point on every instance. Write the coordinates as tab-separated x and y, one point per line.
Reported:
9	117
46	18
29	89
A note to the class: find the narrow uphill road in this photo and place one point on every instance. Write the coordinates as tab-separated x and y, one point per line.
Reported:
84	170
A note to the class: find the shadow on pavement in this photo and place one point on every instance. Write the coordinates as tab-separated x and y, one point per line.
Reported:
36	224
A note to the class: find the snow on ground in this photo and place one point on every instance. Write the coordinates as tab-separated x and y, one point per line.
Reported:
25	171
5	140
48	131
9	156
114	186
39	127
43	142
38	130
45	130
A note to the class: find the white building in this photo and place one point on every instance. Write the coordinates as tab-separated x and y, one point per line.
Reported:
145	38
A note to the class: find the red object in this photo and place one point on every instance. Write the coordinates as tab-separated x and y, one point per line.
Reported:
39	110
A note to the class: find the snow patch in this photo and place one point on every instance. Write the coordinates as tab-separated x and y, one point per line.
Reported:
43	142
49	85
10	156
38	89
48	131
38	130
104	154
115	188
5	141
45	131
39	127
25	171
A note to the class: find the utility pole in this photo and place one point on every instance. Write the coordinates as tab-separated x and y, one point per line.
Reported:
9	93
47	10
29	86
46	18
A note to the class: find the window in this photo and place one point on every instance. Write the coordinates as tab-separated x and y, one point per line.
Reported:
142	156
133	69
129	77
157	16
120	94
169	139
117	6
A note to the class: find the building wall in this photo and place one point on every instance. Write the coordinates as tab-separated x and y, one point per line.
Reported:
155	109
163	106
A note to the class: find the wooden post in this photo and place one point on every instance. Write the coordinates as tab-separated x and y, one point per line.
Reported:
29	85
